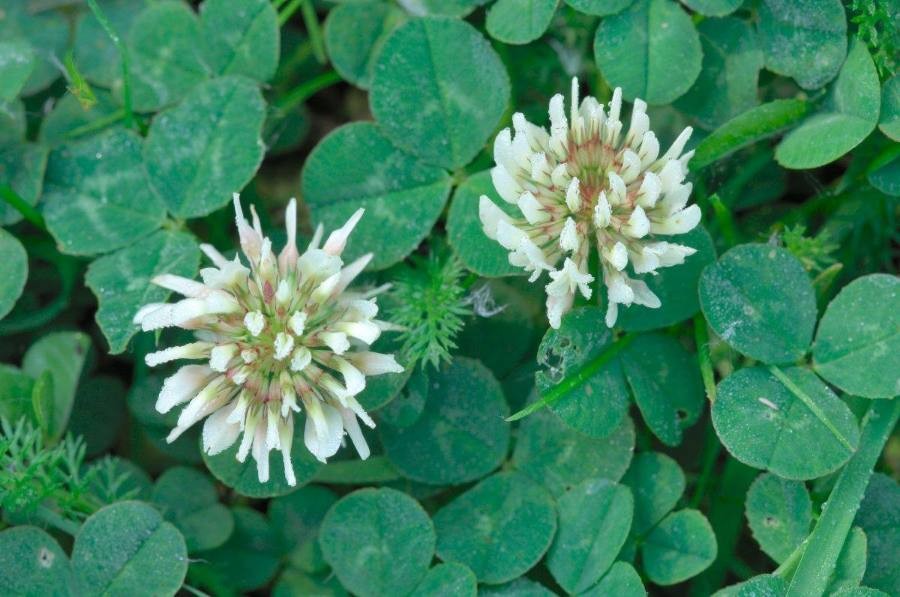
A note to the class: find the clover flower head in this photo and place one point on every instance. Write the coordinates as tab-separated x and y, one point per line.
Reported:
585	179
282	335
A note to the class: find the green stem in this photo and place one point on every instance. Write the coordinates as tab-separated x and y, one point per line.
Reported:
812	406
824	544
701	339
576	380
304	91
711	450
20	205
288	11
48	516
725	220
311	20
97	124
126	77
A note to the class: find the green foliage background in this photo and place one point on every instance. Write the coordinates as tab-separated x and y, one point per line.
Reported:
724	443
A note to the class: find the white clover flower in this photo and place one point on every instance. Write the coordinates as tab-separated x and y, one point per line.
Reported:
283	335
585	179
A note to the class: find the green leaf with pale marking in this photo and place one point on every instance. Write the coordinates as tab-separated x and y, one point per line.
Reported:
17	60
656	482
889	122
477	527
594	520
62	354
879	517
850	114
208	147
451	578
681	546
622	580
448	8
713	8
47	33
403	197
803	39
121	280
378	542
599	8
241	37
520	21
165	47
558	457
97	195
355	32
33	563
779	512
97	57
652	51
726	87
668	392
429	100
15	265
126	548
22	167
760	300
461	434
187	498
857	345
12	122
787	422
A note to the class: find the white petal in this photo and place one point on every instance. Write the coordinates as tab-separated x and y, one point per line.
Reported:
366	331
218	433
573	195
183	286
532	209
557	306
490	216
183	385
143	311
337	240
649	192
375	363
638	224
678	223
288	256
349	273
602	212
355	433
568	238
220	356
324	440
301	358
284	344
336	341
510	236
286	439
505	185
617	256
194	350
260	453
254	321
297	322
174	314
251	240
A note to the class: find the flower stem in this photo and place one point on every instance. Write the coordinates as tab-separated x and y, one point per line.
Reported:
126	77
820	550
701	339
48	516
304	91
575	380
20	205
97	124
